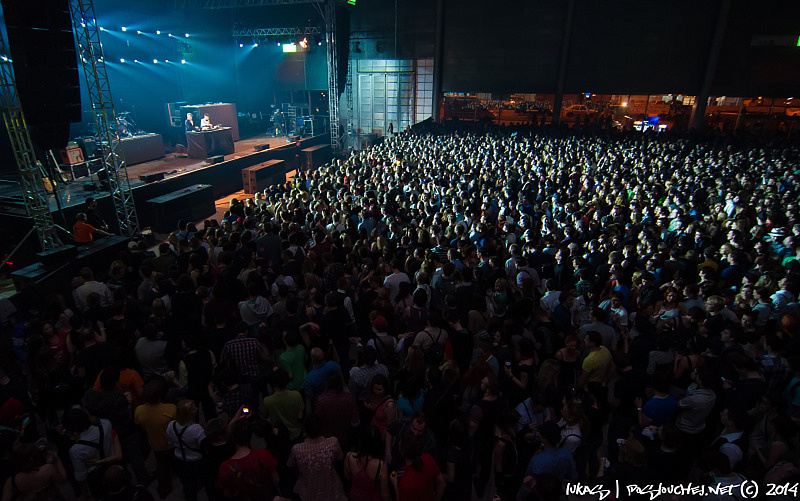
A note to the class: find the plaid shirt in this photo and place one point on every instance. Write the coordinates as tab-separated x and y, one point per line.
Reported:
244	352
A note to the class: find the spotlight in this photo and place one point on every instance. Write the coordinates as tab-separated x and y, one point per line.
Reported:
170	34
135	60
122	60
102	29
319	42
279	43
155	61
304	43
241	45
124	28
255	44
186	35
166	60
138	32
5	58
183	61
158	32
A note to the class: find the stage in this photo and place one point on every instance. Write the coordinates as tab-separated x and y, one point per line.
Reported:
179	171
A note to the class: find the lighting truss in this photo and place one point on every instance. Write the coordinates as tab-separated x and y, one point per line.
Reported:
333	73
31	182
260	33
87	34
230	4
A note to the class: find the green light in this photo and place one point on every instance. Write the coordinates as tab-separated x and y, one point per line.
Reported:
353	2
798	41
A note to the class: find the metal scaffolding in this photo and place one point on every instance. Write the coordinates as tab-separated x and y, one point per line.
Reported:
31	181
90	50
276	32
230	4
333	73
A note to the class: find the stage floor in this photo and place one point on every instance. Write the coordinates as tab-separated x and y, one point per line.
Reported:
173	164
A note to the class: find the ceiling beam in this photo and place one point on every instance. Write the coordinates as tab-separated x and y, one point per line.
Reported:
276	32
231	4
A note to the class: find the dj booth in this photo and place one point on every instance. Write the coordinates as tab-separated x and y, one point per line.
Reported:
208	143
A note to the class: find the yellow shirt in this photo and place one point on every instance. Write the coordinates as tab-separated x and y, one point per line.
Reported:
597	364
154	419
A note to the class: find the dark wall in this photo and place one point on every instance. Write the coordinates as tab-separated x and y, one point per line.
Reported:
618	46
628	47
503	45
747	68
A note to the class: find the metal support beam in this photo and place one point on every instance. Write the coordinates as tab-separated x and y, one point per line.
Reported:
231	4
90	50
562	67
276	32
31	183
333	73
697	117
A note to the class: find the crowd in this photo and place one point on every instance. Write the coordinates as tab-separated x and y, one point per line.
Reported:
447	315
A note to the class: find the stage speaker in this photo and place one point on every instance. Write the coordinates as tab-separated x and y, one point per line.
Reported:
149	178
261	147
45	67
215	160
59	255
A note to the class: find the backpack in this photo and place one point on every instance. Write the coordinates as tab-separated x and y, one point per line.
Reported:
434	355
386	355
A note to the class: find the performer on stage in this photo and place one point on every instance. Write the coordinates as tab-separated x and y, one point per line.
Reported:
189	123
205	122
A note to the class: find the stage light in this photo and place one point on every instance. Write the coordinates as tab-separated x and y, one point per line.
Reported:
138	32
170	34
304	43
166	60
5	58
279	43
186	35
625	103
241	45
135	60
158	32
124	29
183	61
122	60
155	61
255	44
319	42
102	29
289	47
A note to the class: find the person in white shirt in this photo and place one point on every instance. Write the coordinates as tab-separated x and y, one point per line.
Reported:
550	299
393	281
205	122
184	435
